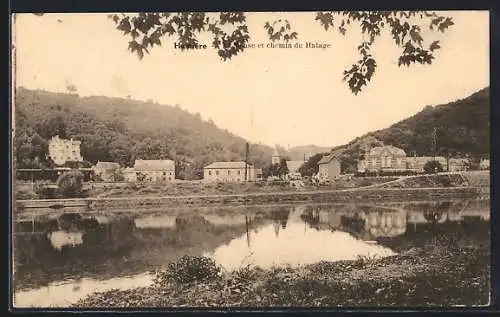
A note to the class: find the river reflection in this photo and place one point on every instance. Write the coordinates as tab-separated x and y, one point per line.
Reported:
60	259
293	245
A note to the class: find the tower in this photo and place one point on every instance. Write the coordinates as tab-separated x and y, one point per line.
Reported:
275	159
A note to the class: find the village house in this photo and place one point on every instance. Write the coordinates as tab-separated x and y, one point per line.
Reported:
106	171
229	172
154	170
383	158
329	167
390	158
62	150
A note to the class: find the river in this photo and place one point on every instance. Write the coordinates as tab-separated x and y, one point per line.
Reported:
62	256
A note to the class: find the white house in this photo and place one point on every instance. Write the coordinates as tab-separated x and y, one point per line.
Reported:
62	150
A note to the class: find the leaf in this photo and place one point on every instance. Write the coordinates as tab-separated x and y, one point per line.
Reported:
434	46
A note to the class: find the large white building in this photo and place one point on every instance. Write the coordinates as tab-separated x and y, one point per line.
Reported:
229	172
62	150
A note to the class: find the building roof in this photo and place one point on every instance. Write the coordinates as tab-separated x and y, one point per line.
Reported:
389	148
327	158
293	166
56	138
229	165
154	165
107	165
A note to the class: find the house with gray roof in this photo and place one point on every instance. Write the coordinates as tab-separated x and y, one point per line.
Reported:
155	170
329	167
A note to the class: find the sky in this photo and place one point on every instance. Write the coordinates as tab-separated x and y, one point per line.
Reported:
274	96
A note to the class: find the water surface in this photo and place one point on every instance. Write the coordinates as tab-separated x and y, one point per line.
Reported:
58	259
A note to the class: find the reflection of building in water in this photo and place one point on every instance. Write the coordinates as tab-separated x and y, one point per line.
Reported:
333	219
231	219
60	238
276	226
373	222
164	221
385	224
366	223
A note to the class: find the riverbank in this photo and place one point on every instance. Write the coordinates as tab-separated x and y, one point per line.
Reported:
339	196
444	273
448	186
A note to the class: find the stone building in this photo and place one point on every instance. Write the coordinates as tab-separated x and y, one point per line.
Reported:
390	158
106	171
229	172
154	170
329	167
63	150
383	158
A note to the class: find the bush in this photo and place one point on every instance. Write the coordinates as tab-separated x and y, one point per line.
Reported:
70	184
433	167
189	269
26	194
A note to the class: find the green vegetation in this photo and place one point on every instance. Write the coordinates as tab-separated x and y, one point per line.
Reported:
462	131
310	167
278	170
121	130
463	128
146	30
417	277
189	269
433	167
70	184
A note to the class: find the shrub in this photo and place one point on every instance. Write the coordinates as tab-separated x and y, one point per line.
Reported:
26	194
189	269
433	167
70	184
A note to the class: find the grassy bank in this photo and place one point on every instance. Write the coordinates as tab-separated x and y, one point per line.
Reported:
200	188
25	191
444	273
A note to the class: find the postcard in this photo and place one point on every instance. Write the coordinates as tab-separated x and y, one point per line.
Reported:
251	159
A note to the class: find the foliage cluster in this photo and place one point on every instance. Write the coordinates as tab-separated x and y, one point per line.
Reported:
189	269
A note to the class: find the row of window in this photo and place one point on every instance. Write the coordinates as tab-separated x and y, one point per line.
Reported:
228	173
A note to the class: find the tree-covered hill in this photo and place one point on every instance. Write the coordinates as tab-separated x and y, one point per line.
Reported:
462	126
462	129
121	130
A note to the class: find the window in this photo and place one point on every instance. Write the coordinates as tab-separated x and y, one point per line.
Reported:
164	173
210	173
239	172
228	172
216	172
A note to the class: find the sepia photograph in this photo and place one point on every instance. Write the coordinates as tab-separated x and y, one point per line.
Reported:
250	159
